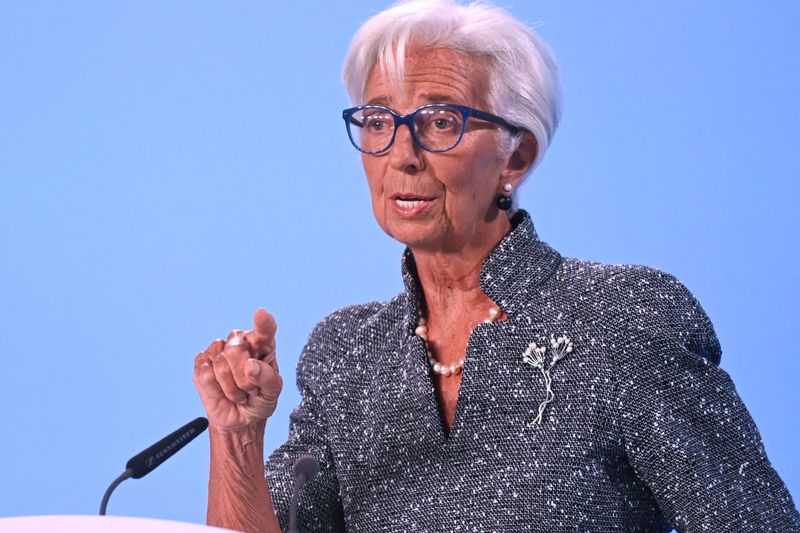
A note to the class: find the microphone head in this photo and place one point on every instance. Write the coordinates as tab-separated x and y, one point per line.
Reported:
146	461
306	465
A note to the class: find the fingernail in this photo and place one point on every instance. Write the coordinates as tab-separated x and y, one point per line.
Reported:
204	365
254	368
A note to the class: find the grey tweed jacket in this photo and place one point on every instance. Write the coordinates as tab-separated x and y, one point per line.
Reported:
644	431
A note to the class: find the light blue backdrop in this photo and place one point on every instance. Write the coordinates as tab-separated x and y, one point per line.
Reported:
168	167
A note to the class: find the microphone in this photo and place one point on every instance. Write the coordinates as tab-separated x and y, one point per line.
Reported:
304	470
147	460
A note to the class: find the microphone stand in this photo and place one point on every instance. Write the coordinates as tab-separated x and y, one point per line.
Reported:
146	461
125	475
304	470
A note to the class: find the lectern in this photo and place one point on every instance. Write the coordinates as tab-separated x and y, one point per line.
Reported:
99	524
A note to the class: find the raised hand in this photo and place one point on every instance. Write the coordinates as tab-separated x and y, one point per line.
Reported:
238	378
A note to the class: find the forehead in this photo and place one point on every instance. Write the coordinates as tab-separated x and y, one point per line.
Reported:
432	75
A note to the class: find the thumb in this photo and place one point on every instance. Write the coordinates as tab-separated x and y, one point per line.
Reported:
265	377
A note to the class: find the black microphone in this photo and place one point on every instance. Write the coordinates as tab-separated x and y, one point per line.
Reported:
304	470
146	461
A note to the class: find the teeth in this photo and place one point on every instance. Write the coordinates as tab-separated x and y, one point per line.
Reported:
408	204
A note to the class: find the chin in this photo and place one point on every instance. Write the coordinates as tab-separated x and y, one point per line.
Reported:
413	233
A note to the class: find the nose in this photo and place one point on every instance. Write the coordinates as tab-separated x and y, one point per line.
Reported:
405	155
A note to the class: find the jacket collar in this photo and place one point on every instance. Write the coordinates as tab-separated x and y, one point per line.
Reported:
517	266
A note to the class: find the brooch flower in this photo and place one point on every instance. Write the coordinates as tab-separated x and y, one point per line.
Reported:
535	356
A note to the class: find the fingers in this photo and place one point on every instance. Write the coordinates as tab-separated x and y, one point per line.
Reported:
226	370
237	351
215	347
203	372
224	373
204	378
265	378
264	399
262	336
217	367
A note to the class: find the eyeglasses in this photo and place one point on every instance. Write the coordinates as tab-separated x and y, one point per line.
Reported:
434	127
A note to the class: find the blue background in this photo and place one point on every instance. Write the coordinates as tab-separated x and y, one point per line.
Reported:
168	167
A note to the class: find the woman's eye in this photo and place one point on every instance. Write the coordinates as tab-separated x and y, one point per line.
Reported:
441	121
442	124
378	122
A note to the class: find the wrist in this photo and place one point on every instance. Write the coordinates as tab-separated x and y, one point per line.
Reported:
238	497
241	438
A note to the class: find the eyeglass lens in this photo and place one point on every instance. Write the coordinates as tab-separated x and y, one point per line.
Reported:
435	128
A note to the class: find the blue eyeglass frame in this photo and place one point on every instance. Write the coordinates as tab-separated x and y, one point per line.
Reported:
408	120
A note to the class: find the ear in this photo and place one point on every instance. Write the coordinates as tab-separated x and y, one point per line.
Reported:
519	161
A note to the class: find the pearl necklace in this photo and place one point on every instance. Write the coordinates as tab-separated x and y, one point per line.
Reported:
421	331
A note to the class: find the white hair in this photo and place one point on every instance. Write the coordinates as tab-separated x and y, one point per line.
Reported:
524	83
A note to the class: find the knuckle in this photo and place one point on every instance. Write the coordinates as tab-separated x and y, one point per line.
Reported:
215	346
208	378
236	336
274	384
223	373
203	377
236	351
268	349
221	361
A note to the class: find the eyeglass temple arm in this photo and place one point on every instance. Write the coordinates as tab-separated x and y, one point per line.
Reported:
497	120
347	115
352	120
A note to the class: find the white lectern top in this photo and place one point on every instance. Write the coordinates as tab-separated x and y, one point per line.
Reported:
99	524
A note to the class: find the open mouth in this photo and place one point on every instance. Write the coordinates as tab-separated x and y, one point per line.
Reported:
408	202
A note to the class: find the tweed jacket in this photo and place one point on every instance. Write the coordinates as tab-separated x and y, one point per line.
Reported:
644	432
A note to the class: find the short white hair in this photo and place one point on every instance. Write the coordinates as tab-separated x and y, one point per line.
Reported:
524	85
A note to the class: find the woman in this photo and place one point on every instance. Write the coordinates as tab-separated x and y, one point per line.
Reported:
507	388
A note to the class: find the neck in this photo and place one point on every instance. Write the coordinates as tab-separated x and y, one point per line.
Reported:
451	280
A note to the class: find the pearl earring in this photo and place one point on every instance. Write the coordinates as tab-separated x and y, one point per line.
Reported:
503	201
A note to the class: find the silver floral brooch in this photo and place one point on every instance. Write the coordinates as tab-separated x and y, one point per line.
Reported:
535	356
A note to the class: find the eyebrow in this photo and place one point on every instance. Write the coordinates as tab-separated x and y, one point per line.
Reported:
433	98
379	100
438	98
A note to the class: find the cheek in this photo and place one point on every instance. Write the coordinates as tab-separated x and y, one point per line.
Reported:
475	177
373	172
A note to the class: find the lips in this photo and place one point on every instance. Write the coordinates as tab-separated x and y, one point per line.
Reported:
409	203
410	197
